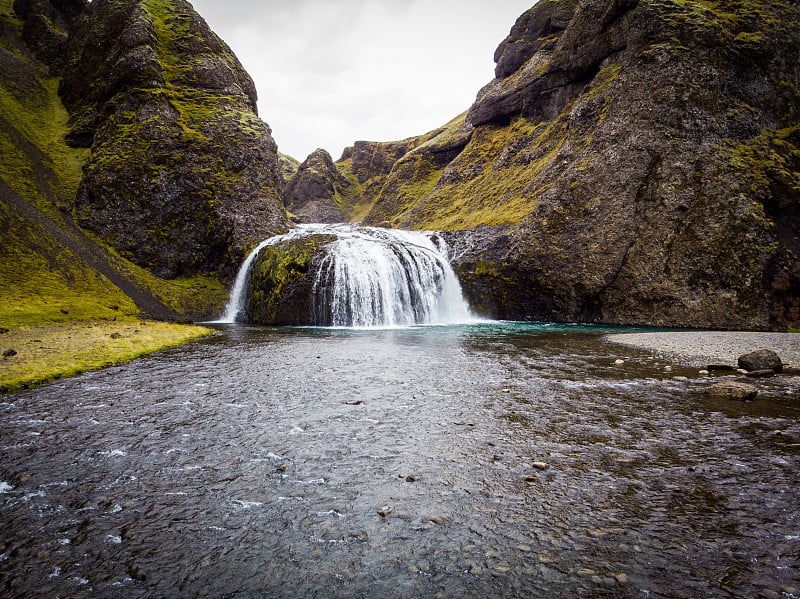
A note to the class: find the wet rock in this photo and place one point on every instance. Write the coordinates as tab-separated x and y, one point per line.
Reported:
761	359
733	391
9	353
755	374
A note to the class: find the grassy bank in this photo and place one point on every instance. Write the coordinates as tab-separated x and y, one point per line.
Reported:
51	351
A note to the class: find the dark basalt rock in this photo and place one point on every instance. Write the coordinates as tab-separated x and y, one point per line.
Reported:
761	359
316	191
46	28
183	176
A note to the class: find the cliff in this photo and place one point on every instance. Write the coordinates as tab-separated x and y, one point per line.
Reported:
131	155
183	175
632	162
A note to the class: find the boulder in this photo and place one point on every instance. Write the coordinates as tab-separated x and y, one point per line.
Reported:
733	391
761	359
280	288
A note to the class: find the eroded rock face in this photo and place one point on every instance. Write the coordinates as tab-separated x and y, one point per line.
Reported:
639	163
47	24
183	175
316	191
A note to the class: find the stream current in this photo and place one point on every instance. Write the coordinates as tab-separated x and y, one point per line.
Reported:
287	462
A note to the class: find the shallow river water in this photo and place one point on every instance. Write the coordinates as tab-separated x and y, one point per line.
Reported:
399	463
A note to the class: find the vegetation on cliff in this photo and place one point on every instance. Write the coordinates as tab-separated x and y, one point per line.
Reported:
633	161
70	302
183	176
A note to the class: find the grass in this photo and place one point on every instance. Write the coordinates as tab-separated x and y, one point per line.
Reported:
51	351
59	314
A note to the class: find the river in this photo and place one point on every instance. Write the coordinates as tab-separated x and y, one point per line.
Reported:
493	460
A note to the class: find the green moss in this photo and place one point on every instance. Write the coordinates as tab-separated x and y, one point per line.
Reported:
41	120
499	184
772	156
275	269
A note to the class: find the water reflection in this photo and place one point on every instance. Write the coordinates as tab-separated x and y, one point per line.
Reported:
496	460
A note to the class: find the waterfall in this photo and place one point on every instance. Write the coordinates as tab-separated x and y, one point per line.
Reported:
372	277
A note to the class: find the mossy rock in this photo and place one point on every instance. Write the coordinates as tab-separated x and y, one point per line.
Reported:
281	282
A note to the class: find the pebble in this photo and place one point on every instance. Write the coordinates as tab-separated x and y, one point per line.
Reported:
667	368
9	353
680	378
621	577
353	402
540	465
586	572
618	362
704	372
385	510
506	390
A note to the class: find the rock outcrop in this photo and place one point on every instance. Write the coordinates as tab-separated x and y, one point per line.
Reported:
318	192
183	176
280	288
633	162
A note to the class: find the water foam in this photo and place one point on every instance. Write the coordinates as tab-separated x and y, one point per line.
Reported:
373	278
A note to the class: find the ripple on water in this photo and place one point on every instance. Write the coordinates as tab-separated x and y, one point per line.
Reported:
399	463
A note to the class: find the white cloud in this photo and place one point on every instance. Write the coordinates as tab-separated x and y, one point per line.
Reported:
330	72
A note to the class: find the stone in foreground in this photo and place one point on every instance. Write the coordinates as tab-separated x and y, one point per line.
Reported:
733	391
761	359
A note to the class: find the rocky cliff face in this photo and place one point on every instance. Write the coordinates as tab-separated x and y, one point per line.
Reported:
318	192
183	176
633	161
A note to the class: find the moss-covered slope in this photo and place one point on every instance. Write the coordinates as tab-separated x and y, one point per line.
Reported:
636	161
183	176
51	271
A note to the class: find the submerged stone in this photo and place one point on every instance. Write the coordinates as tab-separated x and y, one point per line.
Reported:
733	391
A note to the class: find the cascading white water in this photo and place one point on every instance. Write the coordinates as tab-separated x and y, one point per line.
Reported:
373	277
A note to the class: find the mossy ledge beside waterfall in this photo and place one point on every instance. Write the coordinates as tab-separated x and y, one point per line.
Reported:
348	276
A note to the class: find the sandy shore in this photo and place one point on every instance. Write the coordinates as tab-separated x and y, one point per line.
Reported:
700	348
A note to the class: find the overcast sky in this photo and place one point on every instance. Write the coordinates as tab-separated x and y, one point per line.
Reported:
330	72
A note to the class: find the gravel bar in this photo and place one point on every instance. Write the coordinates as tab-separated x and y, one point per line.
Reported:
700	348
